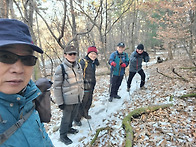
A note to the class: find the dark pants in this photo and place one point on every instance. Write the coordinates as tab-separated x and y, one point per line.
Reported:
69	113
116	82
85	105
132	74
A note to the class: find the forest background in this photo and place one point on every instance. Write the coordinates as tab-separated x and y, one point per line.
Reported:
158	24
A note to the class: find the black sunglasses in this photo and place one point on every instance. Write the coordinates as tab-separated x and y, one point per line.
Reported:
11	58
70	54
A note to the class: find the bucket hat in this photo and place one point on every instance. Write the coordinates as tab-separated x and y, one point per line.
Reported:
13	31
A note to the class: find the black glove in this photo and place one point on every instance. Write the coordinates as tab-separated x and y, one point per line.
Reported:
62	106
145	54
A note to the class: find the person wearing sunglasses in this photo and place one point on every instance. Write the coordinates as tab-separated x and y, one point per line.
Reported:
136	65
88	63
68	91
19	121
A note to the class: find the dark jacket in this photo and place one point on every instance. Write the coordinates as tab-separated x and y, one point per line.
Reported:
136	61
89	75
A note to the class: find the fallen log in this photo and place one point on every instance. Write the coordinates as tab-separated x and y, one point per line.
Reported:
188	95
97	133
137	112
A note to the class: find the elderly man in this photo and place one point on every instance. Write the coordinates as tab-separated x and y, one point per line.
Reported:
20	124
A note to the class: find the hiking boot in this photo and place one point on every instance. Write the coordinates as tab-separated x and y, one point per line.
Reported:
66	140
78	123
143	88
110	99
128	89
73	131
117	97
87	116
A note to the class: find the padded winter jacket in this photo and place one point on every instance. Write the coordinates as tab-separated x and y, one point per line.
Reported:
32	132
68	91
89	75
119	59
136	61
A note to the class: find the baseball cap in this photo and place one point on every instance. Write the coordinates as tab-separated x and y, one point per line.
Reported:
121	44
70	49
13	31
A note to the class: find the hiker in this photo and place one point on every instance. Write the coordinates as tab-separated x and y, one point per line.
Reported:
88	64
136	65
20	124
68	91
119	60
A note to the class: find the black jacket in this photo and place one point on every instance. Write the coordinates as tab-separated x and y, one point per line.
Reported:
89	75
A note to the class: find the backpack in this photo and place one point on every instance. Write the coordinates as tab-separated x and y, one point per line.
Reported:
85	66
42	102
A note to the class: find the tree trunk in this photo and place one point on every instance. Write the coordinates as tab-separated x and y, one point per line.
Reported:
74	28
4	8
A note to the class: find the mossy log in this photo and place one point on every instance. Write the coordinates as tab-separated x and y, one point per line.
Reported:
188	95
97	133
137	112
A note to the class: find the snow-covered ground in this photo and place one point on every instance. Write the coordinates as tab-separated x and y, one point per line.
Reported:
110	114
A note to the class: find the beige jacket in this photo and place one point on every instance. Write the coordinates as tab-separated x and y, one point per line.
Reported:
72	86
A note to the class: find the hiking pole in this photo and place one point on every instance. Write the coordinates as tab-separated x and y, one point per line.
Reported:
83	111
129	90
110	87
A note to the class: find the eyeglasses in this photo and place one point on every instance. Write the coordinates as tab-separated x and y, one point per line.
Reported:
11	58
70	54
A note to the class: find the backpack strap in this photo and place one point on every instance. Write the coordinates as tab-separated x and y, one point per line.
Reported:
63	74
13	128
63	71
85	66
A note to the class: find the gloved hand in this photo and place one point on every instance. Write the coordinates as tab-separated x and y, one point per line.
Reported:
146	56
113	64
123	65
62	106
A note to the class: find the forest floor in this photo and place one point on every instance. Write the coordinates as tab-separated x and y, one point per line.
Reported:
174	126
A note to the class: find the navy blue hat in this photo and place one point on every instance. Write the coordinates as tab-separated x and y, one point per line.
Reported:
140	47
121	44
13	31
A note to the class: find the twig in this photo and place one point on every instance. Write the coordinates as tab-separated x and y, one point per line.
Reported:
163	74
97	133
181	77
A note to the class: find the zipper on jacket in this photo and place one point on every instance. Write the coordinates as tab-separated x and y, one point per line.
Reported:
137	64
40	129
120	65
